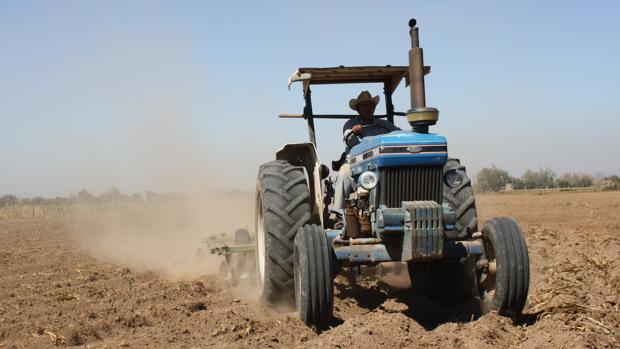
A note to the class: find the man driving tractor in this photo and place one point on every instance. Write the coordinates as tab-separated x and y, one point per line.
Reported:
365	124
361	126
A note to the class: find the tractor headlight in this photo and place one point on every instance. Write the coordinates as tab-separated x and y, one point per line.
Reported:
368	180
454	177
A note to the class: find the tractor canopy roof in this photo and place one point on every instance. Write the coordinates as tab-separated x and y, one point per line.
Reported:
419	116
390	76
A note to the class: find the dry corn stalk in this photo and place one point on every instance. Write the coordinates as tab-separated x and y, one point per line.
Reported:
52	332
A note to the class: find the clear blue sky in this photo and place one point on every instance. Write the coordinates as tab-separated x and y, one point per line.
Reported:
166	95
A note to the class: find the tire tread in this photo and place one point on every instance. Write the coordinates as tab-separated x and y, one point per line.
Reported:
512	261
315	301
461	200
286	207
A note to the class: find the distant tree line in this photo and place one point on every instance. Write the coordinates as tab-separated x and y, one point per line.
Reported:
493	179
111	196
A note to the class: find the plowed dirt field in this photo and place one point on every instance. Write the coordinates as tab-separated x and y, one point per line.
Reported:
57	291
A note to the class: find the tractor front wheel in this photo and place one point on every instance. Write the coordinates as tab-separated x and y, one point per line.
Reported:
504	276
314	294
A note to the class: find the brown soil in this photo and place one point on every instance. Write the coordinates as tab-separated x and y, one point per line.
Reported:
53	292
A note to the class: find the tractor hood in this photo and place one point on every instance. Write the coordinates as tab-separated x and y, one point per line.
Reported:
398	148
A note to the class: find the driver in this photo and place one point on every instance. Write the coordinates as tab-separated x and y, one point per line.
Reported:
365	124
353	130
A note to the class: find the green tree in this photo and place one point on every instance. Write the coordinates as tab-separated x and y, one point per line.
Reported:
575	180
517	183
542	178
492	179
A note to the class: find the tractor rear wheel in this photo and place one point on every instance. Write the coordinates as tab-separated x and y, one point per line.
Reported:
461	200
314	294
282	207
505	277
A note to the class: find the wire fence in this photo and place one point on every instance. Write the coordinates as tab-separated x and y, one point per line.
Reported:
557	190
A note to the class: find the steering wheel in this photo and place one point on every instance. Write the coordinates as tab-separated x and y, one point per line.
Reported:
383	127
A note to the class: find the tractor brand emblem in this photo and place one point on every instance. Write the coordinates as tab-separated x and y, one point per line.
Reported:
414	149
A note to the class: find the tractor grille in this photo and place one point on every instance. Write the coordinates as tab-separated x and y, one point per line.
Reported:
397	184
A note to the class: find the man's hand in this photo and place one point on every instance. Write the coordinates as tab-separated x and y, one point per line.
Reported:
357	129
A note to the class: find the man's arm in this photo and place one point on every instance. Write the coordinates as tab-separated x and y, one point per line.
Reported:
351	136
351	131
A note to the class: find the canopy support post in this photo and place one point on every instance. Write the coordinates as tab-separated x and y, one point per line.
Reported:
389	107
308	115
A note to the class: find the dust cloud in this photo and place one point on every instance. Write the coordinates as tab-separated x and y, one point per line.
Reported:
148	89
164	232
165	237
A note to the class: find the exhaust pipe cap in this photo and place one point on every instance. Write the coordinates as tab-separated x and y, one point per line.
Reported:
422	116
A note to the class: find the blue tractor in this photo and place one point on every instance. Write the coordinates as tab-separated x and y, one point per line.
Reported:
406	201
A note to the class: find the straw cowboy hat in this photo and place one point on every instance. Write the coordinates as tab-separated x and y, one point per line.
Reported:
364	96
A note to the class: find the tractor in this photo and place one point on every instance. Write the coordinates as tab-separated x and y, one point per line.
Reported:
407	202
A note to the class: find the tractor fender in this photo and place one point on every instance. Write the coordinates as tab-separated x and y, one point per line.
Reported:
305	154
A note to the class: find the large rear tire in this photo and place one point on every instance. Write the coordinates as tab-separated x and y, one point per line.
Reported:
282	207
504	283
461	200
314	295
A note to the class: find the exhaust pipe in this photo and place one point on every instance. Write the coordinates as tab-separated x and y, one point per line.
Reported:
420	117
